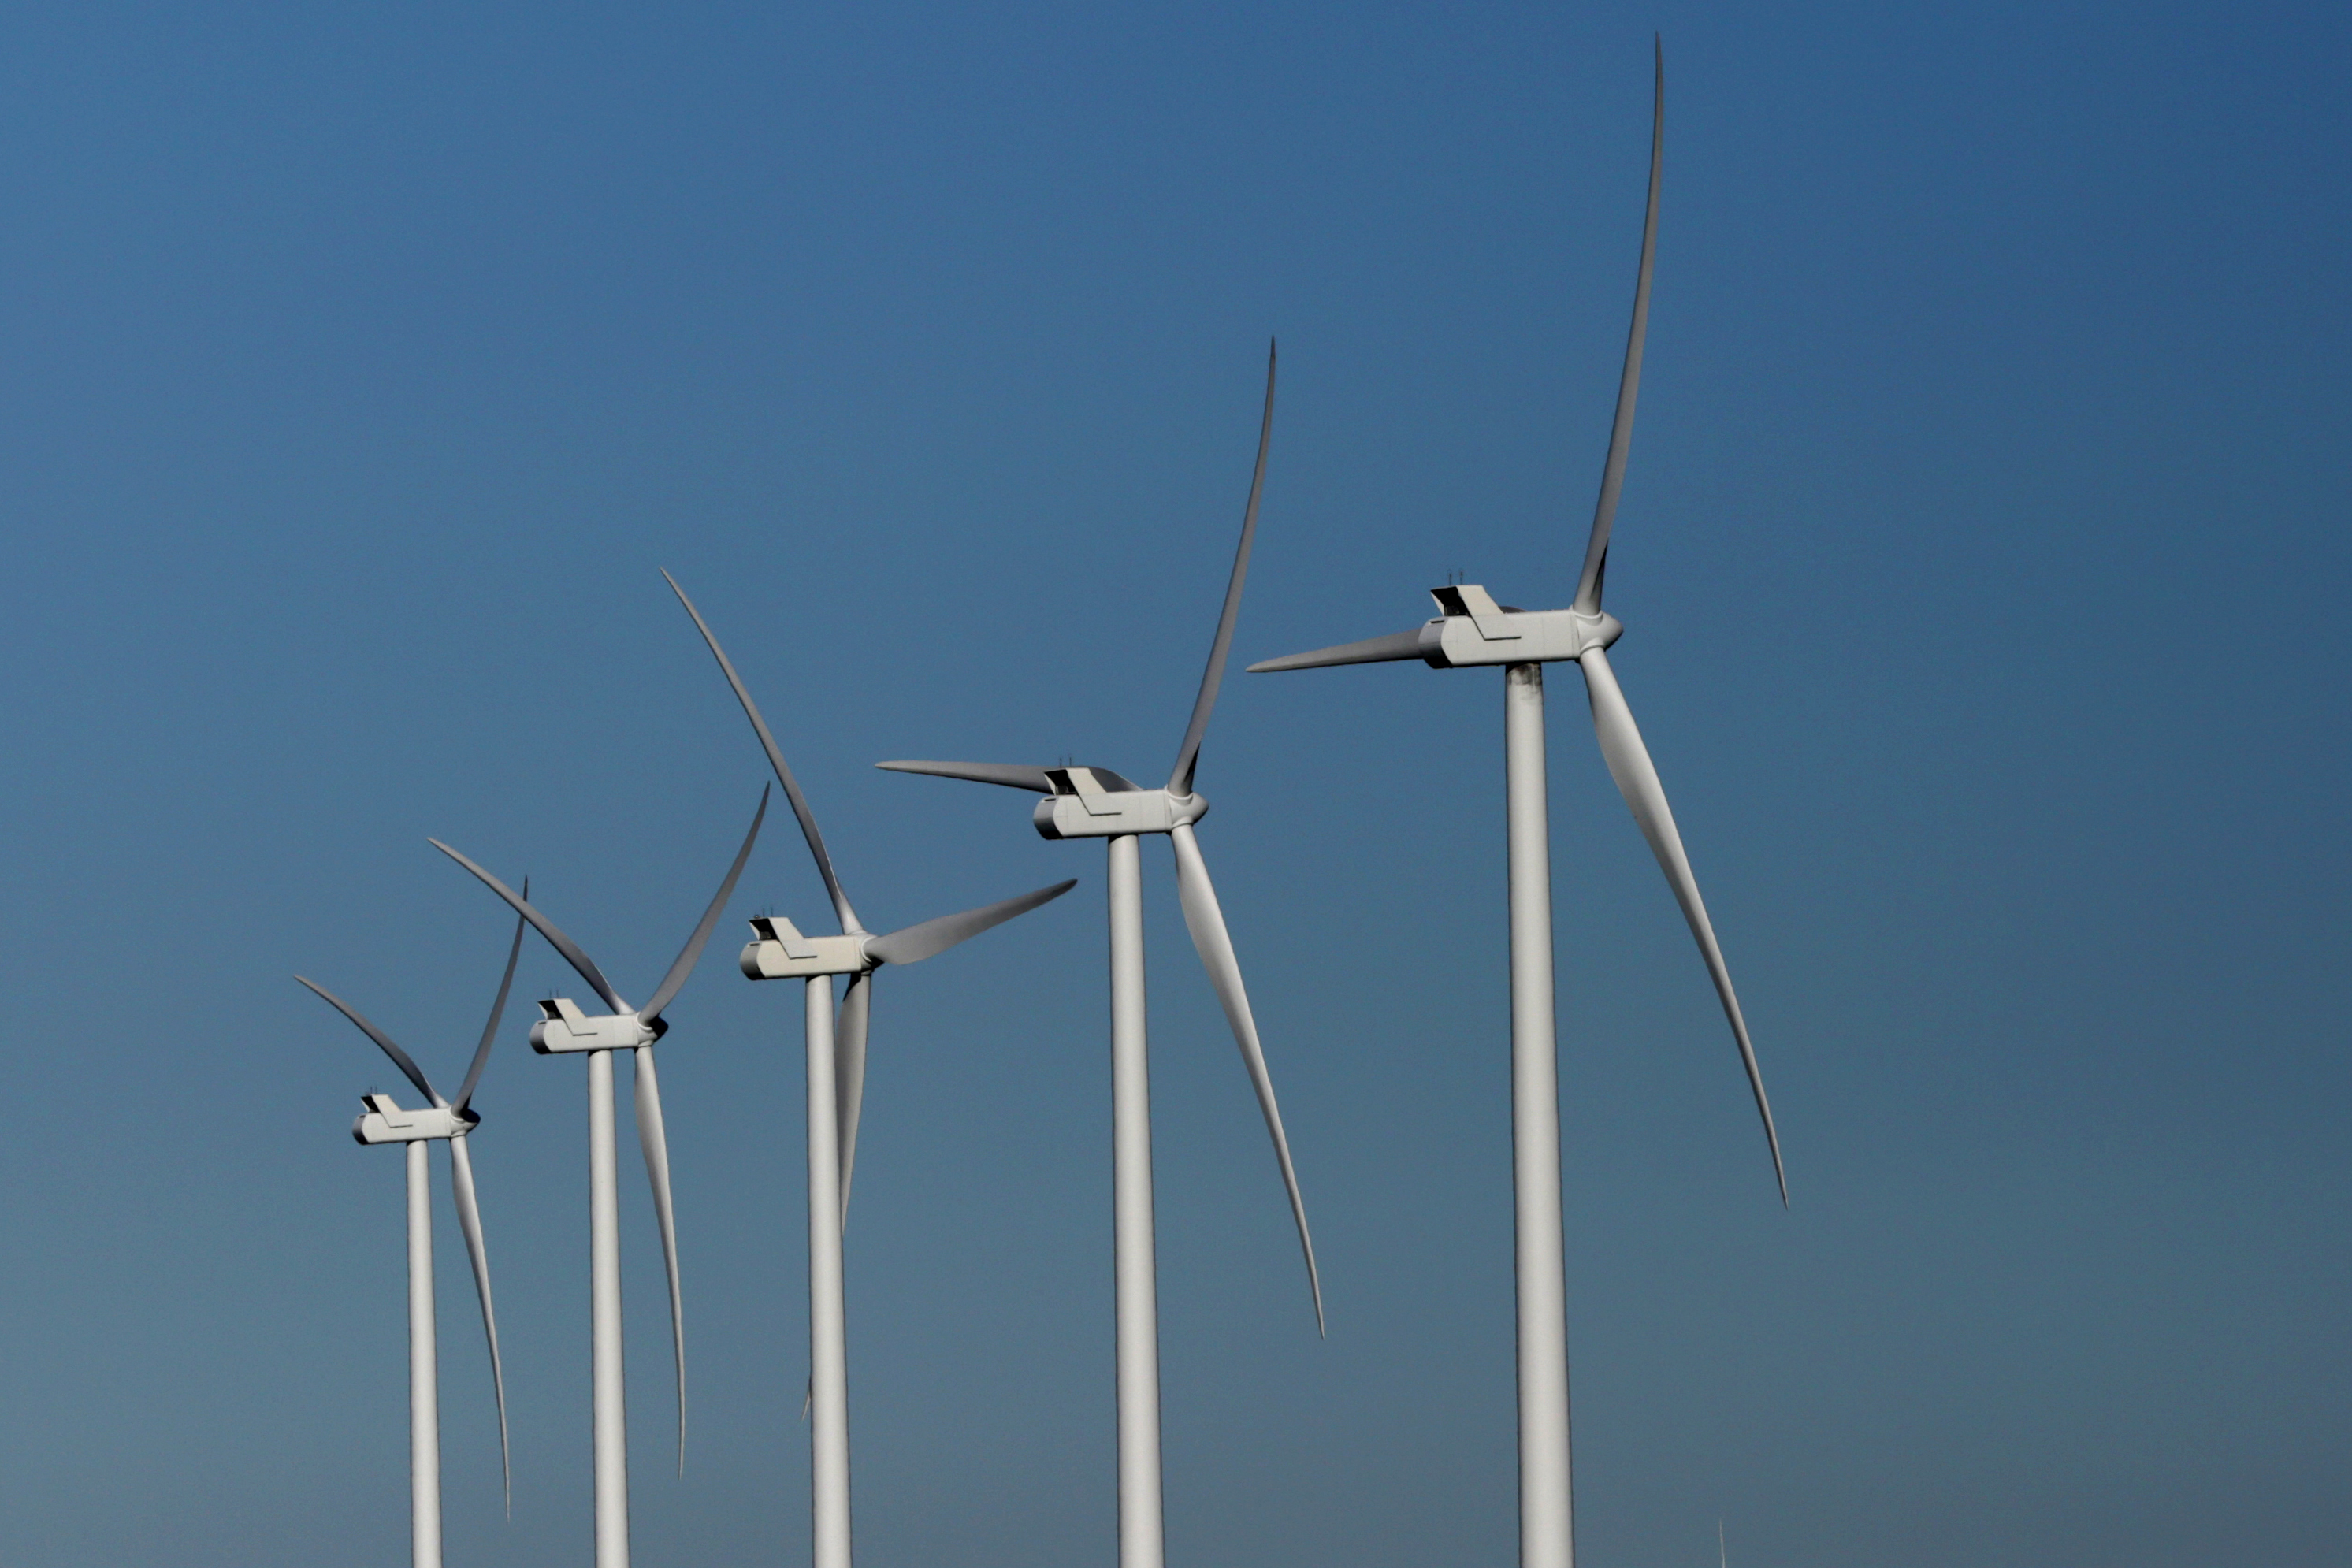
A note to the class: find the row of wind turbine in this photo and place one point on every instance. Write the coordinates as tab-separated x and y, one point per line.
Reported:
1090	801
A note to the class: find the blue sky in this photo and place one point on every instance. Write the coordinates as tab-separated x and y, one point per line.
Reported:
1983	560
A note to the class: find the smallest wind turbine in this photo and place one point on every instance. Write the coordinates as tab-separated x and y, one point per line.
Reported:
441	1121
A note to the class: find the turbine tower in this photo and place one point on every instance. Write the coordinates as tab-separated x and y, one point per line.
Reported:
1096	802
563	1028
440	1120
837	1092
1472	629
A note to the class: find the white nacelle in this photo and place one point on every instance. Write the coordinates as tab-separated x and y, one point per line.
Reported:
563	1027
1476	630
384	1122
782	953
1095	802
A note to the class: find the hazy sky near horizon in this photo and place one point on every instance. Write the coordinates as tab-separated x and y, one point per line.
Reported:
1983	559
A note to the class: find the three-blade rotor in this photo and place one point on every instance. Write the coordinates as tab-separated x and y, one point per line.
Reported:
461	1165
1504	636
1172	811
652	1135
910	945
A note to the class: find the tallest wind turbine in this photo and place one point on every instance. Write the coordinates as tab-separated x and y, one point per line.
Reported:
1472	629
1096	802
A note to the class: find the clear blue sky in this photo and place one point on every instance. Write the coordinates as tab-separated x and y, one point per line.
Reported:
1984	558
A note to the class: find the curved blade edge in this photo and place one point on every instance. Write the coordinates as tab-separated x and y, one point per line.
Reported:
498	1011
691	953
1629	386
573	952
914	943
1637	779
847	916
849	1074
655	1142
1221	646
1206	921
469	1221
400	1059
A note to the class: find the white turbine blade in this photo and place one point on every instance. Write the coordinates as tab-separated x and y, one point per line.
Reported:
655	1145
1637	779
573	952
1012	775
400	1059
1371	651
916	943
847	916
1188	755
469	1221
692	952
849	1074
498	1011
1206	921
1621	431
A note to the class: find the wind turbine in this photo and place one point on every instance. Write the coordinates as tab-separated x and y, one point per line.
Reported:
1096	802
562	1028
1472	630
384	1122
837	1092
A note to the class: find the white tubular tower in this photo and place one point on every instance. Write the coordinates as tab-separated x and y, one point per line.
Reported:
424	1370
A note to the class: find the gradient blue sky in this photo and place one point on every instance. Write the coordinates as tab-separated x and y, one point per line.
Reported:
1984	560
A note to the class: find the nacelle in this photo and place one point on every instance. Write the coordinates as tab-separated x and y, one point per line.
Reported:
1095	802
563	1027
782	953
384	1122
1475	629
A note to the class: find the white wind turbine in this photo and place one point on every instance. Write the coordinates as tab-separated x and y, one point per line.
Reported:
385	1123
1096	802
837	1091
562	1028
1475	630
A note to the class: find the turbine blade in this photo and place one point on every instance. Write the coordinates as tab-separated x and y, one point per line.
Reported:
547	928
498	1011
655	1145
1012	775
847	916
849	1074
1206	921
400	1059
1188	755
1371	651
916	943
469	1221
692	952
1621	431
1637	779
